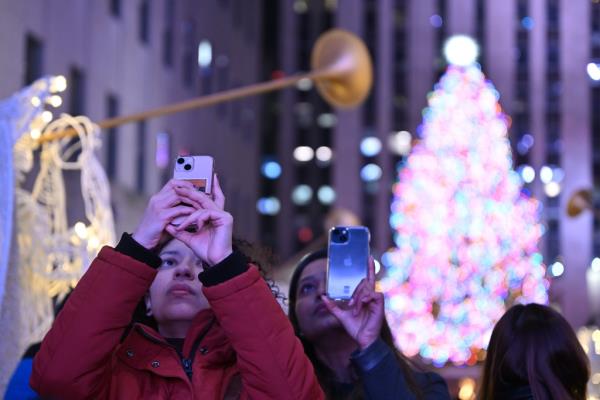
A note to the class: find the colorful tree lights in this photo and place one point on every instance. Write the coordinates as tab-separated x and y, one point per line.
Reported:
466	237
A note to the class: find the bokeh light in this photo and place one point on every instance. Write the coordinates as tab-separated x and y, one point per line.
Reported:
461	50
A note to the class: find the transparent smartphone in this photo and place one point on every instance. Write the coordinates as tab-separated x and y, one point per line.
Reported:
199	170
347	260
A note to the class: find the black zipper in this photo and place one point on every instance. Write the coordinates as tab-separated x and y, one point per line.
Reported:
187	362
187	366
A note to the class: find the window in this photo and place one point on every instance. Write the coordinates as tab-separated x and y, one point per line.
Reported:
77	91
236	9
189	52
167	50
115	8
222	82
144	21
521	116
553	118
440	66
399	103
480	29
33	59
112	110
370	188
140	183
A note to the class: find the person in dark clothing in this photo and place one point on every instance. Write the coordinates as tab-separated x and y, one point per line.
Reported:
351	347
18	386
534	355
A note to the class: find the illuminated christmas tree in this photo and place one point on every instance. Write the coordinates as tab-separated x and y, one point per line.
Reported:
466	235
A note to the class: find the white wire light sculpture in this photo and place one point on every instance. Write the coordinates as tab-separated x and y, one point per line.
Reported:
42	253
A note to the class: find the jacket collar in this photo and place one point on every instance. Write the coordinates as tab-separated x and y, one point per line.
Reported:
143	346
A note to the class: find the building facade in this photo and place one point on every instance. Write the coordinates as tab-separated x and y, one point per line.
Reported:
122	57
287	159
535	52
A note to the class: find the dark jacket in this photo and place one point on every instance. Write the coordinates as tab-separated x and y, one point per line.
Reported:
383	379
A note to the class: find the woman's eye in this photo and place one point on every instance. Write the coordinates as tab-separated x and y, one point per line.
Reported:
168	262
307	288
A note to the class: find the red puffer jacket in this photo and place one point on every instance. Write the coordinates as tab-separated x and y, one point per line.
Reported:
244	346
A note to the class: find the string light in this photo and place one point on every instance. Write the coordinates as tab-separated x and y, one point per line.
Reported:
304	84
55	101
58	84
204	54
326	194
589	338
35	134
552	189
326	120
324	154
400	143
303	153
370	146
47	116
268	205
461	50
271	169
302	195
466	389
81	230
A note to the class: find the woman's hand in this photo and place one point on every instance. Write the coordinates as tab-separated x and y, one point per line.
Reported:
364	315
212	239
162	208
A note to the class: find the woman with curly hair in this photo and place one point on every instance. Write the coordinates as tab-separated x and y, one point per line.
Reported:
214	331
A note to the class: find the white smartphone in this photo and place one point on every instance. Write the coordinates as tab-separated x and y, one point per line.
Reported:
347	260
199	170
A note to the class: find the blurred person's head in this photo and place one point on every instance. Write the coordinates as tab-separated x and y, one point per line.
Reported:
307	312
534	353
312	320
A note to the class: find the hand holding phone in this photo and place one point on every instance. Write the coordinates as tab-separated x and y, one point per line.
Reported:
198	170
362	317
211	237
347	260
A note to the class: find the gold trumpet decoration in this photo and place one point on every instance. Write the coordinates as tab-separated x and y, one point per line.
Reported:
341	68
580	201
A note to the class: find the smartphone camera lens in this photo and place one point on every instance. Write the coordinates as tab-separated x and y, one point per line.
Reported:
343	236
187	167
180	160
340	235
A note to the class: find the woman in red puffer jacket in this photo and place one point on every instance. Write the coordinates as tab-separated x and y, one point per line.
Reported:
220	336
